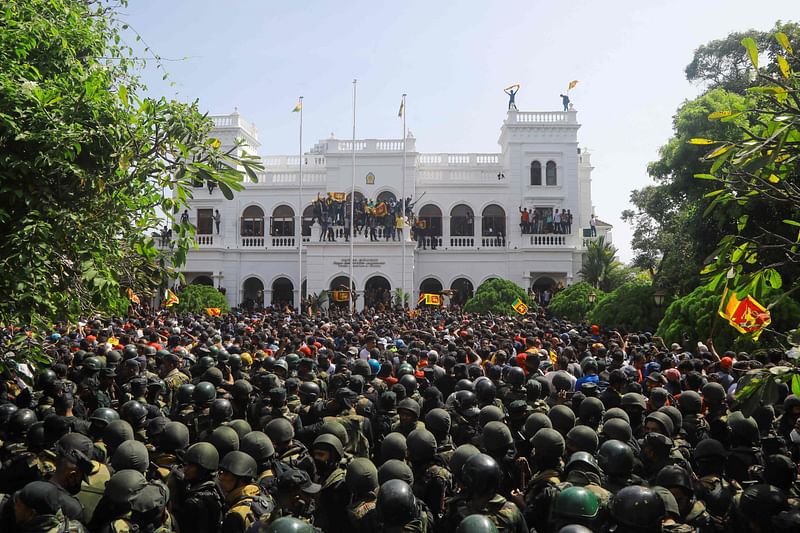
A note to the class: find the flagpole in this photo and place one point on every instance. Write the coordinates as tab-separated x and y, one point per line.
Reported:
300	217
353	206
403	205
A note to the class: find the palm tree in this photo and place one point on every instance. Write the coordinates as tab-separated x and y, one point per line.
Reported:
599	263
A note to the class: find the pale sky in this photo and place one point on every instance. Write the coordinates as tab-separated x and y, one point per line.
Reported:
453	59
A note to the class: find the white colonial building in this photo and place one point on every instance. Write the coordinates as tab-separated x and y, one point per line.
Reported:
471	202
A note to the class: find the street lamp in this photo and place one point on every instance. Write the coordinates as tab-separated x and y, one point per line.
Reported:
659	297
592	297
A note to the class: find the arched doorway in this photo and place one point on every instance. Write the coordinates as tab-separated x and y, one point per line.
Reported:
308	220
388	197
378	292
462	291
282	293
493	226
543	289
282	222
252	294
431	285
337	291
203	280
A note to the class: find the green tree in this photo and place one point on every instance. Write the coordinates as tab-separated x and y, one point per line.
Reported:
696	315
85	160
600	264
573	302
630	307
496	296
197	298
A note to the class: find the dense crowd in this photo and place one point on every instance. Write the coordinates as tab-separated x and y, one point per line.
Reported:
391	422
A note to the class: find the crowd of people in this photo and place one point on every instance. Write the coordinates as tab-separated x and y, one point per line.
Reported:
415	422
537	221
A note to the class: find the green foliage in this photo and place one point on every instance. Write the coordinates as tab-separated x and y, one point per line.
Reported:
630	307
400	298
85	161
758	173
196	298
573	304
600	265
496	296
696	315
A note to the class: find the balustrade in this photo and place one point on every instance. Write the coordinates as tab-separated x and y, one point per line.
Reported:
252	242
462	242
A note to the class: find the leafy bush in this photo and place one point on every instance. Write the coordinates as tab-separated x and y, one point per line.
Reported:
196	298
496	296
695	314
573	302
629	307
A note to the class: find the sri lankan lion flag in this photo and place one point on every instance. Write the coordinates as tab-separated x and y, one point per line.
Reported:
746	316
132	297
213	311
170	298
429	299
340	296
572	85
520	306
338	196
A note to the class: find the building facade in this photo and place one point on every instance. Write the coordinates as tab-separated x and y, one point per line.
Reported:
267	244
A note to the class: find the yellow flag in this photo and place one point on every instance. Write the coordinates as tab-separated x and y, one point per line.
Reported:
572	84
213	311
132	297
171	299
520	306
298	107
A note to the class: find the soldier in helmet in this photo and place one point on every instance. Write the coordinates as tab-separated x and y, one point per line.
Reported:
35	508
172	376
200	423
515	386
358	427
290	524
245	502
714	400
399	511
295	495
172	445
576	505
548	448
198	501
362	482
289	451
481	481
328	452
432	480
437	421
637	509
182	404
464	416
745	448
712	487
616	460
679	482
257	445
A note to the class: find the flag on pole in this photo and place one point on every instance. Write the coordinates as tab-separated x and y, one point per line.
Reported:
170	298
520	306
298	107
572	85
132	297
402	108
429	299
340	296
338	196
745	316
213	311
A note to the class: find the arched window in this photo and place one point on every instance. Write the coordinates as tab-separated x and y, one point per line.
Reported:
282	223
432	216
462	221
536	173
308	219
252	222
551	173
493	221
388	197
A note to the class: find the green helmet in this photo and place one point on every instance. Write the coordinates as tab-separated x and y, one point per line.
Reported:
131	455
290	524
481	475
331	442
104	416
396	504
204	455
582	438
576	502
205	362
204	393
395	469
361	476
279	431
404	369
562	418
174	437
124	485
92	363
183	396
412	406
421	445
241	426
117	432
497	437
476	523
548	443
257	445
241	389
534	423
582	461
490	413
292	360
394	446
459	457
224	439
239	464
438	422
335	428
615	458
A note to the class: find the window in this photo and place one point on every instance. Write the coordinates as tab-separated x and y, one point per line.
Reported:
462	222
282	222
551	173
253	222
205	221
493	221
432	216
536	173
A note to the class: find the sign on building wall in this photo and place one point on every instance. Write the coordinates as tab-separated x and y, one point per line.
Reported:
360	262
370	178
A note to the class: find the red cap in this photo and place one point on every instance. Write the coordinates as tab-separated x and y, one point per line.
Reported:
726	362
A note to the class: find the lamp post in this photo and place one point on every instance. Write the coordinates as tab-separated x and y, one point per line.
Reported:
659	297
592	297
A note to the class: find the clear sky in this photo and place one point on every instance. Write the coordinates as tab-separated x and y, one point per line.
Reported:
453	59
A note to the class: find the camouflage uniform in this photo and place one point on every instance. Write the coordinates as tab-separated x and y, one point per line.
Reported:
362	514
505	515
245	506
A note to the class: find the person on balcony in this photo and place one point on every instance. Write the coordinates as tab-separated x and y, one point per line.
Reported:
565	101
593	225
557	222
217	220
568	221
525	220
399	224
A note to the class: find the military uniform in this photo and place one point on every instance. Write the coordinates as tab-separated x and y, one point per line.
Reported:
433	482
198	507
245	506
296	456
505	515
362	515
92	489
